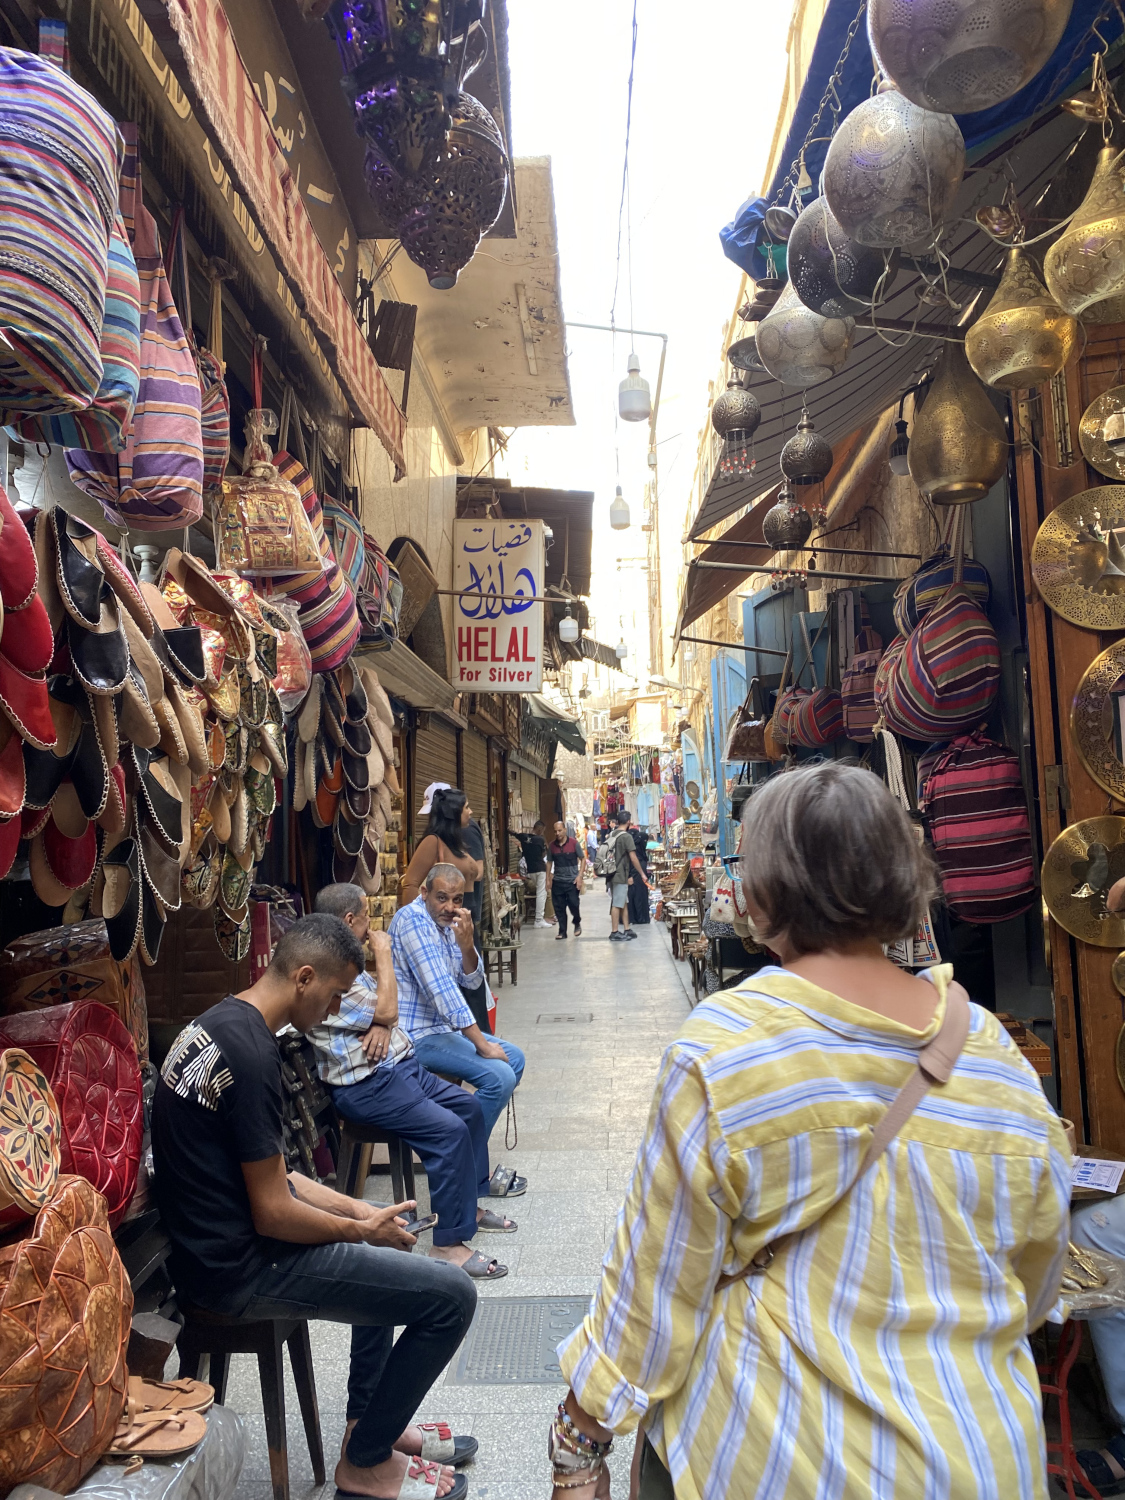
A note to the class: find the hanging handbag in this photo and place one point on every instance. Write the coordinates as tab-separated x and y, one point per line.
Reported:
746	734
921	950
857	690
817	718
214	400
775	740
945	679
261	527
919	593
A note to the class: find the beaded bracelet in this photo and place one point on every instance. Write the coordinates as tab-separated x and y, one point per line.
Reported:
572	1432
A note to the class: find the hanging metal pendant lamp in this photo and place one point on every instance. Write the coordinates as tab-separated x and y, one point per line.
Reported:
798	346
834	275
1023	337
1086	264
806	457
787	524
736	409
959	448
892	171
964	55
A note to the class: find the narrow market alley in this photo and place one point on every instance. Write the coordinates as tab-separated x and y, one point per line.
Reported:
593	1018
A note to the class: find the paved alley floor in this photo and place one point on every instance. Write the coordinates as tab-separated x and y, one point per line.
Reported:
581	1108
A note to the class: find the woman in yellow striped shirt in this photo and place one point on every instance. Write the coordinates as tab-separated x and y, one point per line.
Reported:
883	1353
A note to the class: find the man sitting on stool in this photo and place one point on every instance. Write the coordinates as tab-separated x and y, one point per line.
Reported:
434	960
368	1063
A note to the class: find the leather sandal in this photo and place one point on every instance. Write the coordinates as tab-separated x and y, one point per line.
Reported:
100	654
159	1434
440	1446
123	584
78	573
171	1395
24	699
420	1482
19	570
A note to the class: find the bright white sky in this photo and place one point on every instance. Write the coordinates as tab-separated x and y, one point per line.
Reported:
705	99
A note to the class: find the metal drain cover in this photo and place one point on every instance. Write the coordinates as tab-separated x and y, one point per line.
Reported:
512	1341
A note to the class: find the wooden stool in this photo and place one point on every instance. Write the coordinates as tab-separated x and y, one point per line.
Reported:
494	957
354	1161
213	1337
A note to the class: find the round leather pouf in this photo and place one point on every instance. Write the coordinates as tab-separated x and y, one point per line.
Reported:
30	1135
65	1311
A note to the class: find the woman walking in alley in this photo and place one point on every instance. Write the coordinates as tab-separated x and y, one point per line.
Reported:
826	1270
638	891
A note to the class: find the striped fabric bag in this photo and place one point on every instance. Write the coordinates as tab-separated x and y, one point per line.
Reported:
817	719
103	425
857	689
60	156
345	536
946	677
972	797
156	482
918	594
214	408
325	601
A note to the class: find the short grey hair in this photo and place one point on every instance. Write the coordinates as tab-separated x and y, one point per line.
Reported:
341	900
831	858
443	872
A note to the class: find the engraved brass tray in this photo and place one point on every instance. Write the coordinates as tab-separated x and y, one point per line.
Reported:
1095	449
1081	865
1078	558
1091	720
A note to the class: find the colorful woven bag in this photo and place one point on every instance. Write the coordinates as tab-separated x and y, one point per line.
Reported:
325	601
857	689
918	594
345	536
379	597
972	796
156	482
60	155
214	401
945	680
103	425
817	718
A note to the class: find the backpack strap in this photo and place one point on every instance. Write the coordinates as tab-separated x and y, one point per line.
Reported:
936	1062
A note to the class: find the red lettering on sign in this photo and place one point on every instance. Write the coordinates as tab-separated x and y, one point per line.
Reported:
527	655
513	645
480	650
464	643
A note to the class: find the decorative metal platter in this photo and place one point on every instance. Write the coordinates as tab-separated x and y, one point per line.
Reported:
1092	719
1078	558
1081	866
1117	974
1091	433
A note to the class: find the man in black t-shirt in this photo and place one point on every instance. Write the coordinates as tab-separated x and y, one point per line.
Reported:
252	1241
533	846
564	879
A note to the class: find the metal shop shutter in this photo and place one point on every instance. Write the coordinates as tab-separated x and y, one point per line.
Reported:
435	759
474	773
529	794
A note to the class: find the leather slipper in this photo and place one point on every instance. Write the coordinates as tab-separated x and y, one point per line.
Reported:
356	773
10	835
376	767
273	746
171	1395
190	722
44	882
152	925
114	815
160	869
382	799
105	712
144	658
377	824
344	868
234	886
71	860
355	805
348	837
43	541
136	718
376	696
171	735
89	773
13	775
161	797
390	777
121	899
354	694
259	784
219	809
19	571
29	642
25	701
200	879
123	584
33	820
357	738
239	819
308	720
45	769
67	814
77	571
158	1434
101	655
382	737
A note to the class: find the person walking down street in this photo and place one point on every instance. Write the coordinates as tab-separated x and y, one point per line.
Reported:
639	889
627	869
435	963
849	1210
565	878
250	1240
591	844
533	846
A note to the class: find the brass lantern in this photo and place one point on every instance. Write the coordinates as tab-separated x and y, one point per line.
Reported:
806	457
958	449
798	346
787	524
1023	337
834	275
1086	264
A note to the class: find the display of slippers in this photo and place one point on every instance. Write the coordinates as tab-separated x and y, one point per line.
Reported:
78	573
100	653
19	570
24	700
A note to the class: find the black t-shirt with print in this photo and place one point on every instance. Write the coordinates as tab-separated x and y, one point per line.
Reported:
219	1102
534	847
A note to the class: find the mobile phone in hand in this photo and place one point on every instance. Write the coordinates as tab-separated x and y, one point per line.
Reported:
420	1226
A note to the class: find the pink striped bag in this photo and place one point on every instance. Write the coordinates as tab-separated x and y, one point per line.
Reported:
156	482
945	680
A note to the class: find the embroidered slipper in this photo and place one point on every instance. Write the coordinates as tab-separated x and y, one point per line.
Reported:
232	937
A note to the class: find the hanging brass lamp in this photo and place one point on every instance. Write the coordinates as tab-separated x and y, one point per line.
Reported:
798	346
806	457
958	449
787	524
1086	264
1023	337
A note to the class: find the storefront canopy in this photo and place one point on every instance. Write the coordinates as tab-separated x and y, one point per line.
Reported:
568	732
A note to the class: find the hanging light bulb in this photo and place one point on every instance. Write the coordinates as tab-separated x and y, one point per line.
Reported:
622	649
568	627
900	449
619	512
633	401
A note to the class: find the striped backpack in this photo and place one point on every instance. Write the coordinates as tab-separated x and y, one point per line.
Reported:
944	680
972	797
60	155
857	689
156	482
345	536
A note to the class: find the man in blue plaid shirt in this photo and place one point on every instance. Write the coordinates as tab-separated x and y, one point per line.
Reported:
369	1065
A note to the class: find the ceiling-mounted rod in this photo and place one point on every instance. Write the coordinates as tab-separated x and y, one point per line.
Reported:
813	573
952	273
815	547
702	640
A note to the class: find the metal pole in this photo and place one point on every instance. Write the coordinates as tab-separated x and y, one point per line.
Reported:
812	573
702	640
811	547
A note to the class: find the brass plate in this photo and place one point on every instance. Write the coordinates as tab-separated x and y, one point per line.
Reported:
1091	720
1117	974
1095	450
1081	865
1070	559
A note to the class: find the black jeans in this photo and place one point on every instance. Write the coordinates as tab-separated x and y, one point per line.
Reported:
375	1290
564	898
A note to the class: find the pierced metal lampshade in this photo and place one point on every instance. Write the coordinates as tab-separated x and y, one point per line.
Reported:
892	171
806	457
1023	337
1086	264
787	524
834	275
798	346
958	449
964	55
736	409
743	355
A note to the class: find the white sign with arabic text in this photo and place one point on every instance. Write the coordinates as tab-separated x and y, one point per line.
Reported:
498	626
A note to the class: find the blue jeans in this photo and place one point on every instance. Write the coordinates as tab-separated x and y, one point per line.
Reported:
375	1290
494	1081
1101	1226
443	1123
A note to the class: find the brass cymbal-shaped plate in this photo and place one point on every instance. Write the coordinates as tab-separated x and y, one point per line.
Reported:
1092	719
1095	449
1117	974
1081	866
1078	558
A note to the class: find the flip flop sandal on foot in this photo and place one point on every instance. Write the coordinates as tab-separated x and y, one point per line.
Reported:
483	1267
490	1223
439	1446
419	1483
506	1183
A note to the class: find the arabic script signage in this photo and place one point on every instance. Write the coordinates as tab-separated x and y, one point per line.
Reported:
498	575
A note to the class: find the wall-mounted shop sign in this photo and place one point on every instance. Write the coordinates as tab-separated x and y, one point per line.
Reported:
498	610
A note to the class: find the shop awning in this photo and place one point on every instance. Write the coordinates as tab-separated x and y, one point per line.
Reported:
407	676
567	731
196	38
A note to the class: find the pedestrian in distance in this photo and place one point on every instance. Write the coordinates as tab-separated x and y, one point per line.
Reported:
533	846
566	869
626	869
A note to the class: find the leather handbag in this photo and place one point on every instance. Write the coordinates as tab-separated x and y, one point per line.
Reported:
857	689
746	733
91	1064
775	736
66	1308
